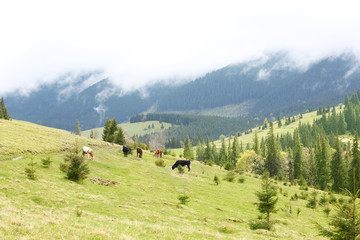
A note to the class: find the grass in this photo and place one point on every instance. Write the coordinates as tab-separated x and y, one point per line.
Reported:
131	129
142	205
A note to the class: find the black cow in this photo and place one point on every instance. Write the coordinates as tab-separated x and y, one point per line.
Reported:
126	150
182	163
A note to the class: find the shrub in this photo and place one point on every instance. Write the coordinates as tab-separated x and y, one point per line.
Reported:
227	229
78	212
312	202
332	199
184	199
180	169
229	166
323	200
259	224
30	171
230	177
46	162
216	180
327	211
241	180
160	162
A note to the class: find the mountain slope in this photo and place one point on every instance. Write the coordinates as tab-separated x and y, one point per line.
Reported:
142	205
275	85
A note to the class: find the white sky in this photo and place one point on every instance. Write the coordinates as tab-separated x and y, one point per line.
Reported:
135	42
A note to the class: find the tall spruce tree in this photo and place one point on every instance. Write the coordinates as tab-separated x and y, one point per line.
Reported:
188	152
119	137
272	159
106	129
223	156
77	128
256	146
355	163
324	164
338	168
298	156
4	112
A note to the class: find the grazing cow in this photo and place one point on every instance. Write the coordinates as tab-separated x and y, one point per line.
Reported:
158	153
126	150
88	151
139	152
182	163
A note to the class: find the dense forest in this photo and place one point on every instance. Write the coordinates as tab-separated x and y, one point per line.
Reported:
313	154
196	126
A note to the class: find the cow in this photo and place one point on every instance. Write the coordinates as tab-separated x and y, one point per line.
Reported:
158	153
139	152
181	163
88	151
126	150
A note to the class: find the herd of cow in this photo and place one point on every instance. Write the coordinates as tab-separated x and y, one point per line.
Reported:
139	152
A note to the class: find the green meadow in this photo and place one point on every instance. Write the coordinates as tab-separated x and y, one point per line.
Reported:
131	129
142	200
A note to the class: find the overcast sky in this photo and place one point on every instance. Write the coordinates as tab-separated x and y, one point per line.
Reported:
136	42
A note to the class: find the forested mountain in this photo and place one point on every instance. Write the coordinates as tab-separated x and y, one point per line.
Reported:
260	88
274	86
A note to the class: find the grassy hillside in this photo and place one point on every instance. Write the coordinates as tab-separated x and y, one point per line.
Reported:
142	205
23	138
131	129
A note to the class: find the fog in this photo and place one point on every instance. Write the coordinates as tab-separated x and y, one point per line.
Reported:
137	43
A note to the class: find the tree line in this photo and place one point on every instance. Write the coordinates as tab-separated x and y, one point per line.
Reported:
195	126
312	154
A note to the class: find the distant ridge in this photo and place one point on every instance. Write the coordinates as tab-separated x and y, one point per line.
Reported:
261	88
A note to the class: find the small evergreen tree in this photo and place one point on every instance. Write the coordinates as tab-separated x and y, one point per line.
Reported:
267	198
346	223
92	134
77	128
31	170
355	163
188	152
3	110
75	166
119	137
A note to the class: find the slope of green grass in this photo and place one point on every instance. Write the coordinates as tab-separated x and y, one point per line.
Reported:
131	129
142	205
23	138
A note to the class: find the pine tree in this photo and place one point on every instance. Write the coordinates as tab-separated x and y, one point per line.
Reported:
119	137
77	128
298	156
188	152
279	121
355	163
267	198
207	154
92	134
338	168
346	223
106	129
223	157
256	147
112	130
4	111
235	151
272	159
323	163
